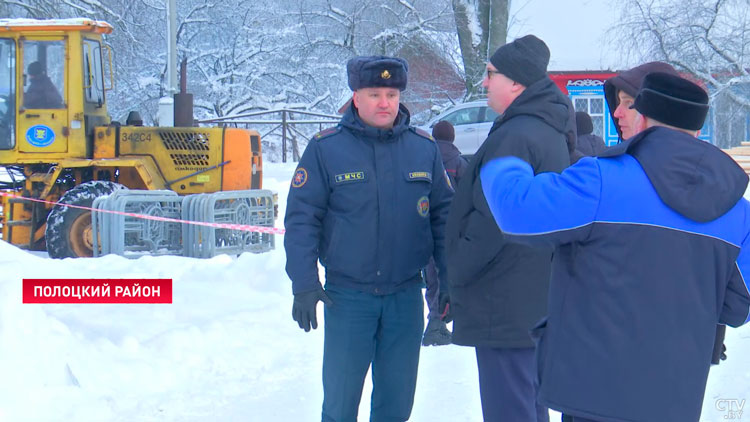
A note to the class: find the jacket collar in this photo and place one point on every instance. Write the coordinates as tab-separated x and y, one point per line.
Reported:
354	123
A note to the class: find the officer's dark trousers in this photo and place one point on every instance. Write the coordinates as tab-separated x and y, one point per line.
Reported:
363	329
507	385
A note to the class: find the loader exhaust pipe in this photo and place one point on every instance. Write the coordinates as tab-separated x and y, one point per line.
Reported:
183	102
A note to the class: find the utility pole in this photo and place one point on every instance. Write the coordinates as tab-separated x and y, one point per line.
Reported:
166	103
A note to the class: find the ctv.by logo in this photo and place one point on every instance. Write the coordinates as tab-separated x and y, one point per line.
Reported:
733	407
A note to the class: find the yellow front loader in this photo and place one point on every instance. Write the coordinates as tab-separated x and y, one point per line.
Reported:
58	144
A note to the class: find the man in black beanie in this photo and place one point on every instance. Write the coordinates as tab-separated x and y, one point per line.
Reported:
498	291
652	250
41	92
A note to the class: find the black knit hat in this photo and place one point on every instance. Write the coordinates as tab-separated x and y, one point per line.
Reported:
376	72
672	100
524	60
35	69
583	123
443	131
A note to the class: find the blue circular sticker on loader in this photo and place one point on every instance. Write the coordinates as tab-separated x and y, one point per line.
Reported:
40	136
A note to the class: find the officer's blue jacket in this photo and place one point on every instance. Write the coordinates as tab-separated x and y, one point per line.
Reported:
370	204
652	251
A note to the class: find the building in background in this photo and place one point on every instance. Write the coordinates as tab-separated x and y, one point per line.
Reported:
436	83
586	91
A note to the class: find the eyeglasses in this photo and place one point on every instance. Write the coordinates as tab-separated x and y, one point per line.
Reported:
489	72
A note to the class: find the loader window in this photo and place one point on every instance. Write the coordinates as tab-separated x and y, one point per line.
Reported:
93	79
44	74
7	93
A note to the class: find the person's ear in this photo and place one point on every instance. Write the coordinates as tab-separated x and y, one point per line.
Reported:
641	123
355	99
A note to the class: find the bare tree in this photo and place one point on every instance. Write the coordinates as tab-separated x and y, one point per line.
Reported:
482	27
246	56
708	39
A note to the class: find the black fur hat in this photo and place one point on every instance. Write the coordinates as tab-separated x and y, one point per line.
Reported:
376	72
672	100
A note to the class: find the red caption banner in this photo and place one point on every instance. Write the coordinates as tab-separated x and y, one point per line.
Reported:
97	290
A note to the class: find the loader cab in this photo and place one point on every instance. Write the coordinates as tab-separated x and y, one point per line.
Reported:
7	93
52	88
43	113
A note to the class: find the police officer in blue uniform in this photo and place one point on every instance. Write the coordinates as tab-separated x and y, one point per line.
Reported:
369	199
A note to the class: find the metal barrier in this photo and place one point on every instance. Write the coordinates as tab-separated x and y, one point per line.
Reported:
287	124
132	237
253	207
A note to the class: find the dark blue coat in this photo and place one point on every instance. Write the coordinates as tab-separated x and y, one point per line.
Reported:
370	204
653	250
590	144
455	165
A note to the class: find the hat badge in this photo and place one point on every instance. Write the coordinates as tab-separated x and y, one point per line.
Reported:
385	74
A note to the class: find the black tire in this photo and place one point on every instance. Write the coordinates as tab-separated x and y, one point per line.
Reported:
68	232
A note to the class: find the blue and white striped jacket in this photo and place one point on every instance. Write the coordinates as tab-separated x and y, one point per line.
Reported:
652	251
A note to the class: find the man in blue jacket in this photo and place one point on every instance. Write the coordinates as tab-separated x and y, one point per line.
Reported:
652	251
369	200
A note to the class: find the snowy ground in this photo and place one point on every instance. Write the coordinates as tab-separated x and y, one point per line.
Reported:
225	350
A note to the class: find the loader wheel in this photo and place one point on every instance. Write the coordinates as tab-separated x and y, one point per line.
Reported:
69	232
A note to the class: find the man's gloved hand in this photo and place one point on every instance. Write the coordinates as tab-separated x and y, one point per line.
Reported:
720	350
444	306
303	309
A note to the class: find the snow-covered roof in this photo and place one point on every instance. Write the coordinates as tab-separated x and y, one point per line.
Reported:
82	24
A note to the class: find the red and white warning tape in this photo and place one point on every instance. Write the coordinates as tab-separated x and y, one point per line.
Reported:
243	227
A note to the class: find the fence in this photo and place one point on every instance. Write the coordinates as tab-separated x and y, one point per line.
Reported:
133	223
287	124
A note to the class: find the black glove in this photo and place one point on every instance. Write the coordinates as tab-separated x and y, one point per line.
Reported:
303	309
444	306
720	350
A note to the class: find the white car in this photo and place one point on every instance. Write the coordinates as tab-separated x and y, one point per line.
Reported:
471	121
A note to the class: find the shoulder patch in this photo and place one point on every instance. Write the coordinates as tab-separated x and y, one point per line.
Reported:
327	132
423	133
300	177
423	206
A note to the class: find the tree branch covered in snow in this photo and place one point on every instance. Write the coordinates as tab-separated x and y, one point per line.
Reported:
245	55
710	40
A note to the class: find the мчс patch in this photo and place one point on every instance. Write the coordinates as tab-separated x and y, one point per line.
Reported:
350	177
